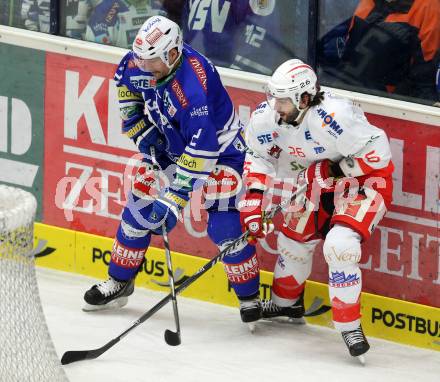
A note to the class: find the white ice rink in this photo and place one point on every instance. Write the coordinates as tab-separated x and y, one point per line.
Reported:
216	346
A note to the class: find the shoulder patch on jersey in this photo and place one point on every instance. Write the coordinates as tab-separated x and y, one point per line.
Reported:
178	91
199	70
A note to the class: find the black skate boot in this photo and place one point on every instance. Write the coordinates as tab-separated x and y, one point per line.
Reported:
356	343
295	312
108	294
250	309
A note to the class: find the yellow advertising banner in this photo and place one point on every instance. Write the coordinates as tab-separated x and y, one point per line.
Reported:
382	317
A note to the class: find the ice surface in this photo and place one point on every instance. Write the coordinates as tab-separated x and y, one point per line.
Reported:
216	346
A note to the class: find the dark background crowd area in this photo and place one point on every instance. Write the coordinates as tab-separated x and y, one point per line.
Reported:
389	48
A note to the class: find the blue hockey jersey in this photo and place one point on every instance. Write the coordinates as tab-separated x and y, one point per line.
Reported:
193	111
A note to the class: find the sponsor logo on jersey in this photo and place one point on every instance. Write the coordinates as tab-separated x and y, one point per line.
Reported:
177	89
307	135
239	145
243	272
340	280
329	121
319	149
168	104
264	138
155	35
143	82
125	94
274	151
172	110
223	182
127	257
183	182
406	322
261	106
199	71
139	126
191	163
199	111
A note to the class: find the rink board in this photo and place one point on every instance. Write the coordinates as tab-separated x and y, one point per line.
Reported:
86	254
61	119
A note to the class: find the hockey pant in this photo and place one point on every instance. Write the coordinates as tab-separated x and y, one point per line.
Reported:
350	224
132	240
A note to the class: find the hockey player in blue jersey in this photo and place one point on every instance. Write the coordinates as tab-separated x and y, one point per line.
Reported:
191	121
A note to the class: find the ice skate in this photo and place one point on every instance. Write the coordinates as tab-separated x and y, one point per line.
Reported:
109	294
250	311
293	313
356	343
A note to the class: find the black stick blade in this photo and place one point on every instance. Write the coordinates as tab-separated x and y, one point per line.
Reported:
81	355
73	356
172	338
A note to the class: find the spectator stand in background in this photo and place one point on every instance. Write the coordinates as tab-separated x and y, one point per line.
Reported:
251	35
75	15
116	22
30	14
390	50
333	25
36	15
7	13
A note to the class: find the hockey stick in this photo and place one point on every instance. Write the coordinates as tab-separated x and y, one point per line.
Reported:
80	355
171	338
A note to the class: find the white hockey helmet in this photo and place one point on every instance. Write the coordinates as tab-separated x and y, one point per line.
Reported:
157	36
291	80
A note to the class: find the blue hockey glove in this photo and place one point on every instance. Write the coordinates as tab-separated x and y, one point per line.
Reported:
165	210
150	137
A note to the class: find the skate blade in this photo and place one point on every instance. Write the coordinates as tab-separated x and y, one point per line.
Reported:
115	304
297	321
252	327
285	320
361	359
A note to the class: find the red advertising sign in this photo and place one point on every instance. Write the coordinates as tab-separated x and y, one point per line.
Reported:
86	178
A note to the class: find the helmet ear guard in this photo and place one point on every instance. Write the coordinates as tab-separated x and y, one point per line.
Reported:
157	36
291	80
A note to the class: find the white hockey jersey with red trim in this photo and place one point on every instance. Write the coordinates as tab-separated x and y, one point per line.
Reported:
336	130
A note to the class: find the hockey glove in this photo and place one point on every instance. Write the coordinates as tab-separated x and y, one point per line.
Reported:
165	210
252	216
318	178
150	137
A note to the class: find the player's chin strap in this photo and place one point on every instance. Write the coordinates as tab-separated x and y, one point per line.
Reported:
80	355
301	115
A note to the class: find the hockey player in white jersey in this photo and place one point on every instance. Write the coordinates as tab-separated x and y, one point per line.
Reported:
343	163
